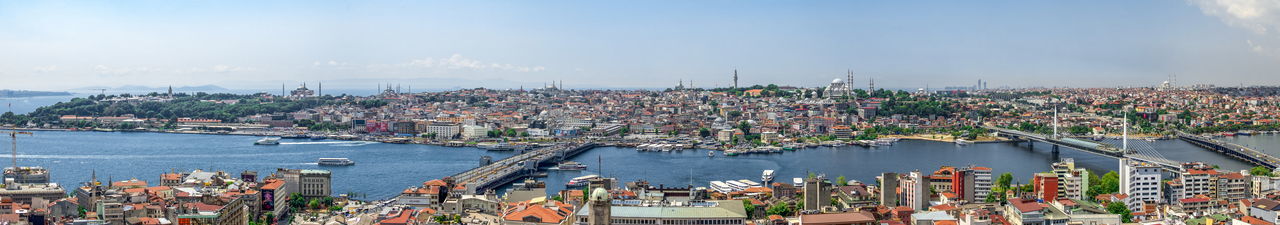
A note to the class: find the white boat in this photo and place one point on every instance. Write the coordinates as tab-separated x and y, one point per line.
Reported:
720	186
797	182
581	181
711	154
749	183
571	165
767	176
963	142
497	146
268	141
335	162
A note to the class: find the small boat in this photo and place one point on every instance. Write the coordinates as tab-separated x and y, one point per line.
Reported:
797	182
571	165
766	176
963	142
580	181
711	154
268	141
335	162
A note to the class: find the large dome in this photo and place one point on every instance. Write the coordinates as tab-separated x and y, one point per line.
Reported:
836	81
599	194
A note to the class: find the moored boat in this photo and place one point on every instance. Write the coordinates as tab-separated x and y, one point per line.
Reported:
571	165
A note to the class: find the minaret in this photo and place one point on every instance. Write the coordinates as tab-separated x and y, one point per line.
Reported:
735	78
848	84
319	88
170	91
282	94
871	86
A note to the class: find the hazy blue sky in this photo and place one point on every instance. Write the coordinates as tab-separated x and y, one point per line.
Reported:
903	44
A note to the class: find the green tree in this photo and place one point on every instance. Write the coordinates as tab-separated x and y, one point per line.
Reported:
704	132
750	208
1260	171
1004	180
1120	209
840	181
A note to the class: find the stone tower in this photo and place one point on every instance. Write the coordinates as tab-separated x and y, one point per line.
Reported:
600	204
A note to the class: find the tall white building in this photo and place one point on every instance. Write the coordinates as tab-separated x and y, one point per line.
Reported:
915	191
473	131
1141	182
981	183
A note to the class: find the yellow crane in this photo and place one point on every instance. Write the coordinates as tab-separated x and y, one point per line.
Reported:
14	136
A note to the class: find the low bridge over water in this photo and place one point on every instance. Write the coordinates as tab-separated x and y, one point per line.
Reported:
518	167
1231	149
1089	146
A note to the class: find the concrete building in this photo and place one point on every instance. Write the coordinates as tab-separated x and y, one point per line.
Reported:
309	183
1073	182
473	131
639	213
1140	181
982	182
915	191
816	194
888	188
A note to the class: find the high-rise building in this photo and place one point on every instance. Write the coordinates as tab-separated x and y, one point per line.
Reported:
888	189
1141	182
1073	182
915	191
981	182
1045	186
816	194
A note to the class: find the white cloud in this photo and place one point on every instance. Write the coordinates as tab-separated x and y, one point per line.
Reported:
1255	47
45	69
457	61
1259	16
115	71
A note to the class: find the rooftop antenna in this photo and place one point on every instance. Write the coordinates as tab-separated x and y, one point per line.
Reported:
14	136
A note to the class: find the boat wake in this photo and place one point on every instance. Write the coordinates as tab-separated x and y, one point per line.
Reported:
335	143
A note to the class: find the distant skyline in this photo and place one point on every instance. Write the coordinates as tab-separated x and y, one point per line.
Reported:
60	45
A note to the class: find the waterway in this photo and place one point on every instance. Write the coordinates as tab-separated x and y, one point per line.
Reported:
383	170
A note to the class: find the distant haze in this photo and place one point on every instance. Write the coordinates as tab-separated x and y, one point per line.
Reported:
239	45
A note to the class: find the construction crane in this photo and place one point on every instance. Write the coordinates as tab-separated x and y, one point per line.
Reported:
14	136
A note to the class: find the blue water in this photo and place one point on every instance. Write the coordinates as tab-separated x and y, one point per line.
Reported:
383	170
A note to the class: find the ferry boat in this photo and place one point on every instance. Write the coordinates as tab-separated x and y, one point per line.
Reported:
720	186
335	162
580	181
497	146
885	141
268	141
767	176
749	183
571	165
731	152
797	182
963	142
